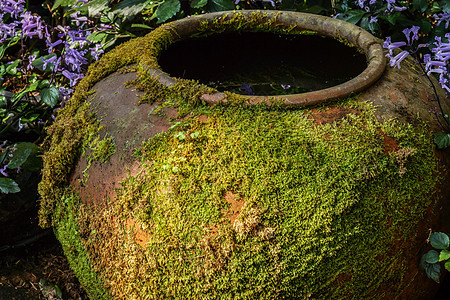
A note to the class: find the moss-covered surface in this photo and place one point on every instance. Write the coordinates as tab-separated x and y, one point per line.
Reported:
317	209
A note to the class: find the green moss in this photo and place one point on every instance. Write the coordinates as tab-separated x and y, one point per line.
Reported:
320	202
68	233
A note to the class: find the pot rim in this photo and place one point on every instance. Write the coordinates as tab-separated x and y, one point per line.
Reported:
320	25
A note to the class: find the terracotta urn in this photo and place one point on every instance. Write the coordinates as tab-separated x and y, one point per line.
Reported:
165	187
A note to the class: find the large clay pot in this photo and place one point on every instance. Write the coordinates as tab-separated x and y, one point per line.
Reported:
246	197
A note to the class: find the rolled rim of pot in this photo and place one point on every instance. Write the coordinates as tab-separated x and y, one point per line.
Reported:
299	22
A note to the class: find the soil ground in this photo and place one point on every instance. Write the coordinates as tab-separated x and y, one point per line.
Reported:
22	270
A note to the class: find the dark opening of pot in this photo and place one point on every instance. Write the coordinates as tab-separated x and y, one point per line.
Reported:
252	63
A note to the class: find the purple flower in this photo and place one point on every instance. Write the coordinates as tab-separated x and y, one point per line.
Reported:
8	30
96	51
373	19
31	58
247	88
77	36
52	45
79	21
3	171
285	86
48	61
395	61
415	31
73	77
444	17
74	59
32	25
391	46
392	7
14	8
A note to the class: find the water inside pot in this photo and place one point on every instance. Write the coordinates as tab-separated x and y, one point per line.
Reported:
258	63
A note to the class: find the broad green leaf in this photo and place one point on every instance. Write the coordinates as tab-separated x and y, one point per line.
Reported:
422	262
50	96
18	96
12	68
444	255
141	26
447	265
352	16
44	83
167	10
445	6
59	3
198	3
129	8
3	101
19	156
2	50
220	5
392	18
312	9
7	185
420	5
433	271
97	36
439	240
30	119
26	156
442	140
39	64
94	7
432	257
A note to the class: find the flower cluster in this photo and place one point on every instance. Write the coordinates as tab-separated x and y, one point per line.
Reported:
439	63
369	5
74	56
412	35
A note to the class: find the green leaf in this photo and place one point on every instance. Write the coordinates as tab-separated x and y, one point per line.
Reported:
439	240
447	265
220	5
50	290
352	16
445	6
44	83
392	18
3	101
129	8
7	185
198	3
39	64
432	257
167	10
444	255
12	68
433	271
50	96
420	5
97	36
26	155
141	26
59	3
94	7
442	140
